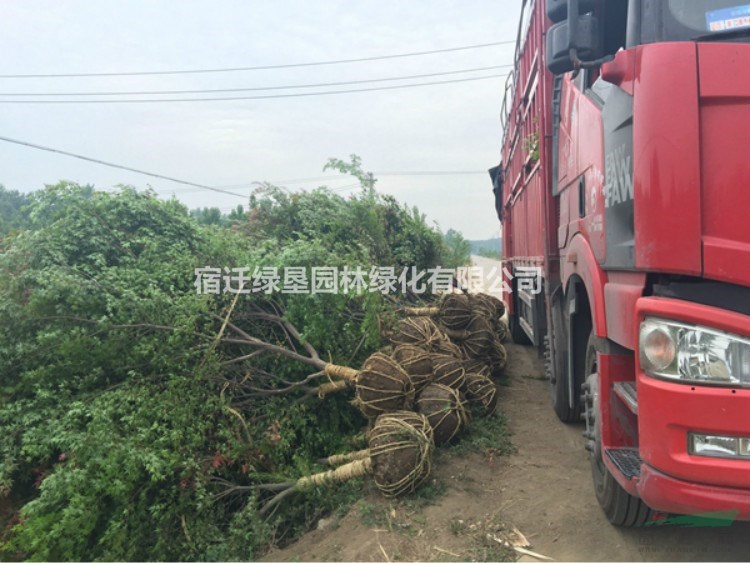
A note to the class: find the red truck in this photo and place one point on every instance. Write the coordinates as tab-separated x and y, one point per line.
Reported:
625	182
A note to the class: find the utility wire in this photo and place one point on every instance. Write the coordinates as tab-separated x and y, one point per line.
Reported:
287	87
433	173
219	189
375	173
265	67
265	97
120	166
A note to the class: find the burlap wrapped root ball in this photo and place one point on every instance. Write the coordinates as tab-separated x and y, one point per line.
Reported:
482	392
416	362
449	371
445	409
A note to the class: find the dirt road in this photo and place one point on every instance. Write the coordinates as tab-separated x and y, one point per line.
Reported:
544	490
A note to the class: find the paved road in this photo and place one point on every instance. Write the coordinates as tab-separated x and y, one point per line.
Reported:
492	270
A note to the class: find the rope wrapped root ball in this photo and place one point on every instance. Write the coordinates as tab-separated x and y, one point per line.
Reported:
482	367
400	452
447	348
380	386
448	371
416	362
445	409
498	359
417	331
454	310
383	386
476	339
415	419
398	459
493	307
482	391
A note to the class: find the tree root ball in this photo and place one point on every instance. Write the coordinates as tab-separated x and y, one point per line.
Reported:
447	348
383	386
400	455
479	338
481	390
482	367
455	310
416	362
498	359
415	419
417	331
501	330
445	408
448	371
494	306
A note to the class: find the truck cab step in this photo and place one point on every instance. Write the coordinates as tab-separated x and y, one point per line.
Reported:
627	460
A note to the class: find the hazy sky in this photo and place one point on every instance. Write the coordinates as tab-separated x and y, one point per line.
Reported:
444	127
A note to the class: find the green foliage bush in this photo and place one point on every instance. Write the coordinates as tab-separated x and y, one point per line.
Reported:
118	418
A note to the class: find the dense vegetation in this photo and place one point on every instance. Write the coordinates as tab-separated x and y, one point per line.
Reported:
121	417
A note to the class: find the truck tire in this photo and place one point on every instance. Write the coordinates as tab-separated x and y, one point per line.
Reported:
620	507
557	369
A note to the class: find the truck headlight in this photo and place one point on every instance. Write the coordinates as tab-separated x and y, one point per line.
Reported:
693	354
718	446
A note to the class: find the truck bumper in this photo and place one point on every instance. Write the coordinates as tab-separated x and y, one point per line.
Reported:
673	479
667	494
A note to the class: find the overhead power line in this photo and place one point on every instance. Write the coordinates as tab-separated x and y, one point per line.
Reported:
264	97
263	67
120	166
257	88
433	173
218	188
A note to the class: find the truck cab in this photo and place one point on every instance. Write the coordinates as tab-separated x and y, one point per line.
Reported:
625	179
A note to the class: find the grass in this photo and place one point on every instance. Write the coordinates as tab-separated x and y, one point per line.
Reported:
457	526
372	515
425	495
536	377
487	435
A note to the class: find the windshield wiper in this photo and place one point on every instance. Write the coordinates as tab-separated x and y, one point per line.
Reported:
721	35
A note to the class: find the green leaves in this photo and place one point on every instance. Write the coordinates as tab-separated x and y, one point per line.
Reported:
116	415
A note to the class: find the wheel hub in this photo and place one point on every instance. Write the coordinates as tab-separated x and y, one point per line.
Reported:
591	408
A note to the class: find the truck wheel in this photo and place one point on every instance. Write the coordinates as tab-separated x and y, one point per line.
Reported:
557	369
620	507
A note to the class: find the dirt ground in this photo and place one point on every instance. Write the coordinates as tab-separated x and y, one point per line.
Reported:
543	490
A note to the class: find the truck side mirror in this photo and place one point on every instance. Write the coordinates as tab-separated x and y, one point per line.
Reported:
557	10
585	40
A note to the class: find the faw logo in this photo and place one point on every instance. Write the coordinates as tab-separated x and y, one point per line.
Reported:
619	185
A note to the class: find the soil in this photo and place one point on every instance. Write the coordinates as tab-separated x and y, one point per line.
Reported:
543	490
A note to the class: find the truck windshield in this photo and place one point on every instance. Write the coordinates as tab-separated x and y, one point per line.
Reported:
716	20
